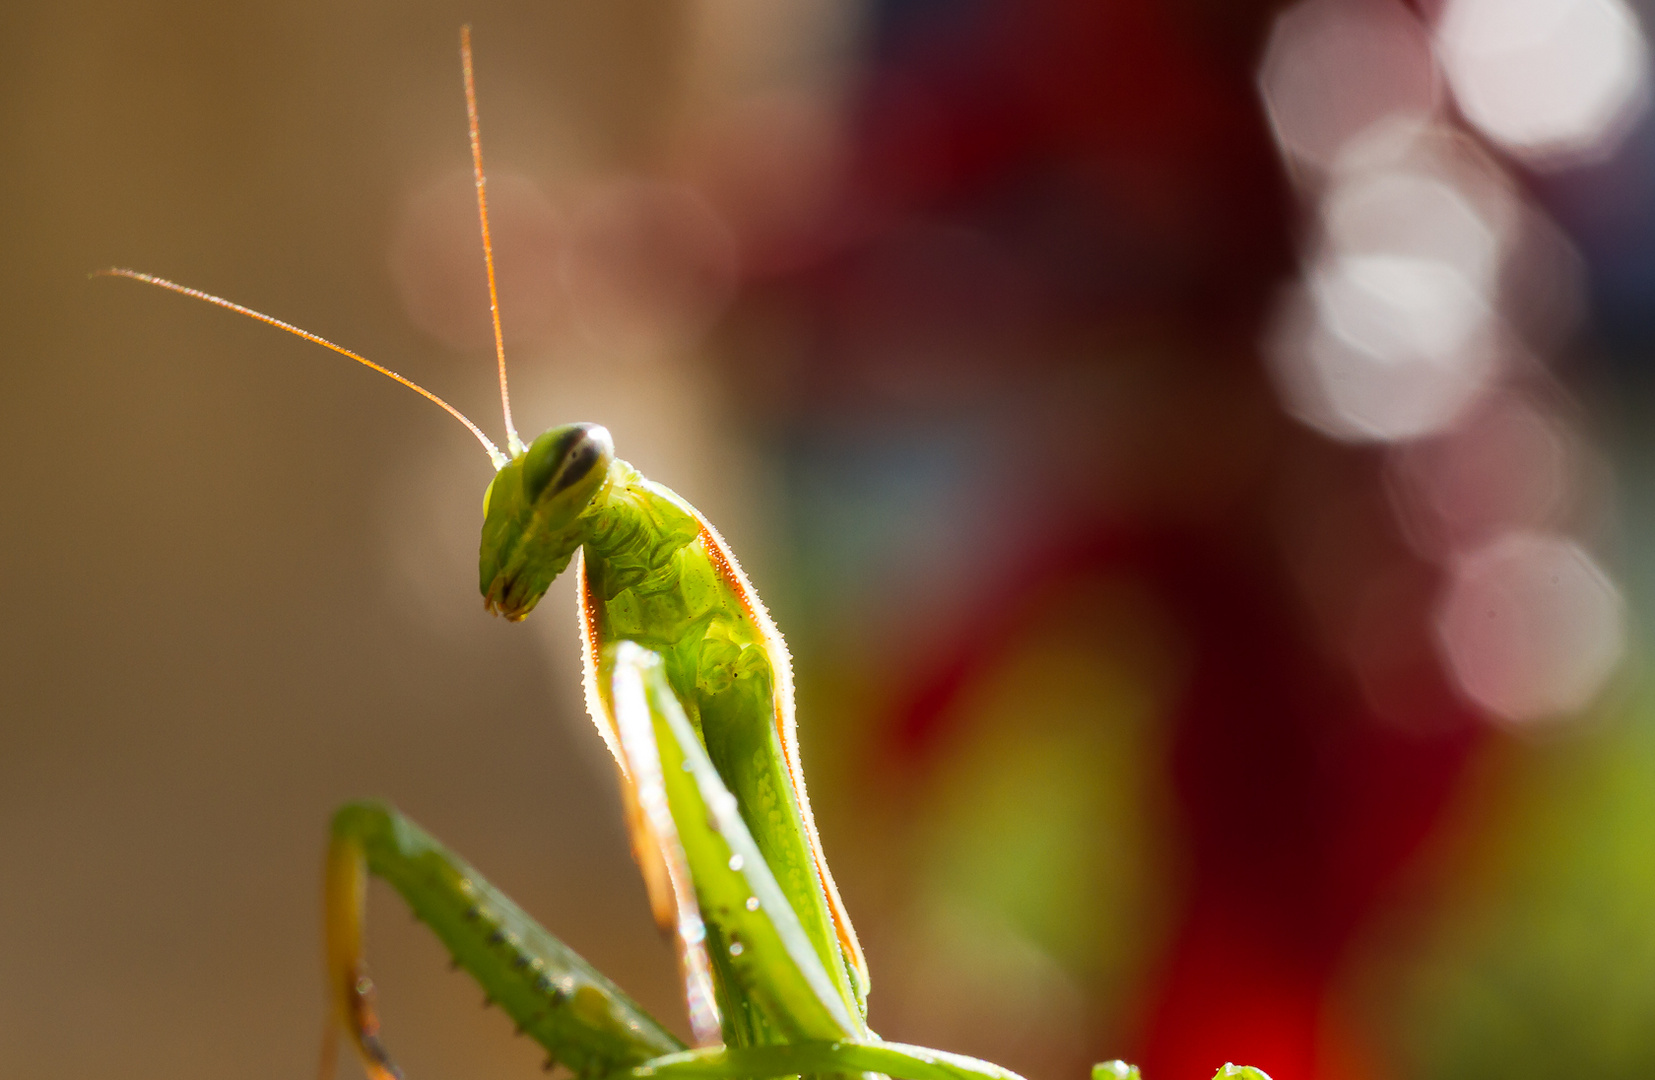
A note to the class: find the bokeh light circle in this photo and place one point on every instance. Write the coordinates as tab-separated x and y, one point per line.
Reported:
1508	464
1381	347
1531	627
648	259
436	260
1334	68
1554	81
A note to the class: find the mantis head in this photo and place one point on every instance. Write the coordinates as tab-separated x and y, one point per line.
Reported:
533	515
533	511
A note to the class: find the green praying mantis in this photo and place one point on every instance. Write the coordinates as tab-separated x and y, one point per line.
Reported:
690	685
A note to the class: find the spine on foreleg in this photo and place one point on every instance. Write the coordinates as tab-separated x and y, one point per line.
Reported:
580	1017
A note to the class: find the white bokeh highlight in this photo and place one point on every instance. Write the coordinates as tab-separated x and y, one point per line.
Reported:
1395	330
1431	290
1531	628
1334	68
1413	214
1553	81
1380	347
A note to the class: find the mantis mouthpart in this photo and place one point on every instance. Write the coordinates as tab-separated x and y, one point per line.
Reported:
690	685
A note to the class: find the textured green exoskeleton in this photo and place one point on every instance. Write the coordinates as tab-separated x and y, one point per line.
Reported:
768	953
691	687
653	572
565	1004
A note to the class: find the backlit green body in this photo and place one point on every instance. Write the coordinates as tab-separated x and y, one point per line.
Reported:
689	684
655	575
652	580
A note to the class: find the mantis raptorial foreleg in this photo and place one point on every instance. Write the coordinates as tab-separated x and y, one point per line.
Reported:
896	1060
767	962
725	901
565	1004
783	1014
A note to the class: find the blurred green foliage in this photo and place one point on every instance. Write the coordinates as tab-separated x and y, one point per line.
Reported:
1544	965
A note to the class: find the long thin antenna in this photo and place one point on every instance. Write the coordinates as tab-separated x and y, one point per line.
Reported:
494	453
513	442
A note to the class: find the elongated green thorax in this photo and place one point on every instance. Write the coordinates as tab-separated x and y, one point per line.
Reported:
533	515
656	573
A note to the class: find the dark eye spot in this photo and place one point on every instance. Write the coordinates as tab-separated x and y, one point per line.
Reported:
565	457
577	465
547	457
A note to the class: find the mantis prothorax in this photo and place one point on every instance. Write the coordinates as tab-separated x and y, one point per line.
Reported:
690	686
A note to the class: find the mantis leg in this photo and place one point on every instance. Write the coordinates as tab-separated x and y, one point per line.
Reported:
735	908
728	901
896	1060
582	1019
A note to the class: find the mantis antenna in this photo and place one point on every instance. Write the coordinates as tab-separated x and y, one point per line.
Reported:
494	453
513	443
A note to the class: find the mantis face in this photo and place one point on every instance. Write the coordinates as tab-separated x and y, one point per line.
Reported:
532	515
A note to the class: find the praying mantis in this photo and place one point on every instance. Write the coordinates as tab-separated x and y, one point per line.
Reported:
689	684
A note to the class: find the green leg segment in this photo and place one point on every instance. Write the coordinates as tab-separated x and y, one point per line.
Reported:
584	1021
765	955
896	1060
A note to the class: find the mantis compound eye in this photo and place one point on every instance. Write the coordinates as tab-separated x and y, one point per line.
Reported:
566	457
532	514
